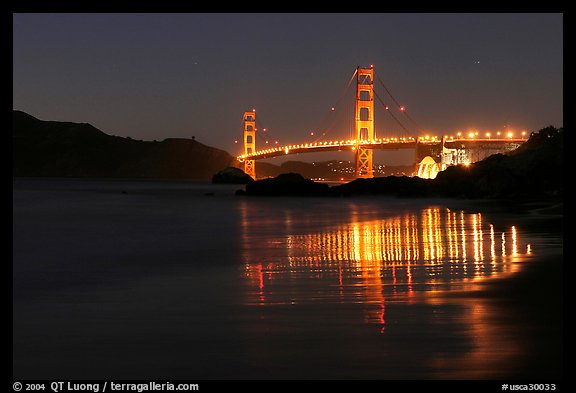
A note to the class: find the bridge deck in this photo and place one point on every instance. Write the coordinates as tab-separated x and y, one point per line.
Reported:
386	144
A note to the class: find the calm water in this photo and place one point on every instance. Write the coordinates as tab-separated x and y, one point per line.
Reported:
144	279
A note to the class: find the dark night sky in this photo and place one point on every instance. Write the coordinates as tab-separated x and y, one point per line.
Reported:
154	76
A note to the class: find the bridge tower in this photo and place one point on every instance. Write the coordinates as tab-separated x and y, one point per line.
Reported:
250	142
364	120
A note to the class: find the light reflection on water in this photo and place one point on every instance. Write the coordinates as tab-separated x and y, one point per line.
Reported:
410	258
415	251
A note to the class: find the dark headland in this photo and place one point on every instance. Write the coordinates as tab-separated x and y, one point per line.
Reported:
64	149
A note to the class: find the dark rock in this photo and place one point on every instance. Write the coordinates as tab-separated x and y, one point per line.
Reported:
231	175
287	184
403	186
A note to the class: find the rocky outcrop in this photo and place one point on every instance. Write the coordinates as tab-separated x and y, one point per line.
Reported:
288	184
231	175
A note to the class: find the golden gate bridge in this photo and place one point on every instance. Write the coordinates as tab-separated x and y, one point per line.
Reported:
433	153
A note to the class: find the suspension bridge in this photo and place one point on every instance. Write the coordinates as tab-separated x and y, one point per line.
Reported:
433	153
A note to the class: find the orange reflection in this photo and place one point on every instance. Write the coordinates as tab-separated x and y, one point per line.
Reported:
367	262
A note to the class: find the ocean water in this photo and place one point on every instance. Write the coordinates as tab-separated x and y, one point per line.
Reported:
119	279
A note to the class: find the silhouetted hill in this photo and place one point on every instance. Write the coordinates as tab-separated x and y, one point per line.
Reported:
535	168
64	149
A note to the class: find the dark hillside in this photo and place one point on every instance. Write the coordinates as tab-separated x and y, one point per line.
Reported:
64	149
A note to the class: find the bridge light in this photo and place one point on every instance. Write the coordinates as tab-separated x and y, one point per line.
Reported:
471	135
332	109
266	142
523	134
402	108
510	135
459	134
488	135
498	133
386	107
236	141
286	149
276	142
264	129
311	132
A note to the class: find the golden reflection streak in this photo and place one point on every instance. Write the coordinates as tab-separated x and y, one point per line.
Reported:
430	245
463	237
438	236
449	229
361	255
514	241
492	245
481	239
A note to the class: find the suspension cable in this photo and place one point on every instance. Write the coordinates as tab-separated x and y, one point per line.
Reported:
326	130
401	107
390	113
